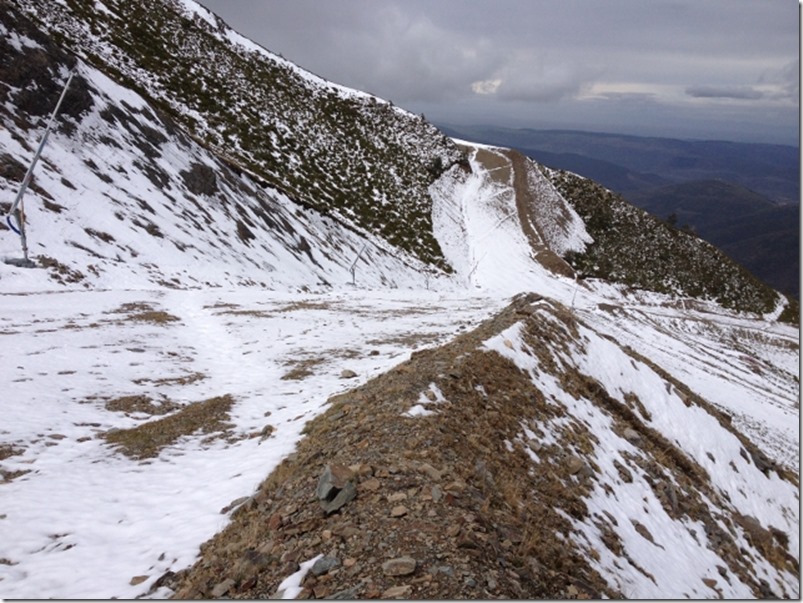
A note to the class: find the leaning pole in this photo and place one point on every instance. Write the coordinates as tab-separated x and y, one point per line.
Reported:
17	212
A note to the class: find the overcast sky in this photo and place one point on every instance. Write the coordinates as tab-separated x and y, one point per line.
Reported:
726	69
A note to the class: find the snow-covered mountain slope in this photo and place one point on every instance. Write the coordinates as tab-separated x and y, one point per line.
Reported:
123	198
740	361
195	305
341	151
668	472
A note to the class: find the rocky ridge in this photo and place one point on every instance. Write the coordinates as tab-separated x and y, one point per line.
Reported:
419	485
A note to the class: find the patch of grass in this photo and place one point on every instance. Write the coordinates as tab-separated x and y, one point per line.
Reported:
147	440
409	340
144	312
154	316
7	450
302	369
254	313
305	305
139	403
60	272
182	380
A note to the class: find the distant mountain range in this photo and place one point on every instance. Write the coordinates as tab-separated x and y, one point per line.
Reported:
742	197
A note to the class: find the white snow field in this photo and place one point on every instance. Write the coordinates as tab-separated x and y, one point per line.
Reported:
82	520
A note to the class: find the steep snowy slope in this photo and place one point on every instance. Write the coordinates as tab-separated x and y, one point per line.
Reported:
341	151
123	198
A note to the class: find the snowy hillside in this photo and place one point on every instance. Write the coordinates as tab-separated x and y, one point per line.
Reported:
343	152
195	306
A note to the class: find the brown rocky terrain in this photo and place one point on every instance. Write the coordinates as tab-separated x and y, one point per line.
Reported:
442	505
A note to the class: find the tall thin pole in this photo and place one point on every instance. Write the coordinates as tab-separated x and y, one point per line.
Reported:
16	207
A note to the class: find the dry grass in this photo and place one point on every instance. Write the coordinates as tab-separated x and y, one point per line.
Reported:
7	450
140	404
182	380
305	305
409	340
148	439
144	312
302	369
253	313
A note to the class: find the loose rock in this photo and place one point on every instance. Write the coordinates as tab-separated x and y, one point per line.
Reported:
324	565
222	588
632	436
574	464
398	511
398	592
401	566
335	488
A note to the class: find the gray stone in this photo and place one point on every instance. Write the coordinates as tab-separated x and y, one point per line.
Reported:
398	511
222	588
763	464
347	374
348	594
324	565
431	472
574	464
398	592
632	436
401	566
235	503
333	478
335	488
347	494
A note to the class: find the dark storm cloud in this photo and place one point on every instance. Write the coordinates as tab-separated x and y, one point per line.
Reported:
735	93
515	62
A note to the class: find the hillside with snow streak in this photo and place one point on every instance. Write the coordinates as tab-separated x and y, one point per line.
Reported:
675	495
123	197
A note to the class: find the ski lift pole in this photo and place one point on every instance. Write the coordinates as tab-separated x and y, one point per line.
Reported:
16	207
353	268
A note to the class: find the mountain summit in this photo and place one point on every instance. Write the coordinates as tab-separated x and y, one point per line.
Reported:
284	338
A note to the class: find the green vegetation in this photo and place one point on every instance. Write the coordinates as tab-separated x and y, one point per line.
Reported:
636	249
353	157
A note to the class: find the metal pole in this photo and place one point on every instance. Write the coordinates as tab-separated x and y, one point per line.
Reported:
353	267
16	207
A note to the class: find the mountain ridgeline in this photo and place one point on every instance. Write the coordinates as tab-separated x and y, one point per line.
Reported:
339	151
347	155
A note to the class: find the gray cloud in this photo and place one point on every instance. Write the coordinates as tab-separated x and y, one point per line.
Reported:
517	61
725	92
